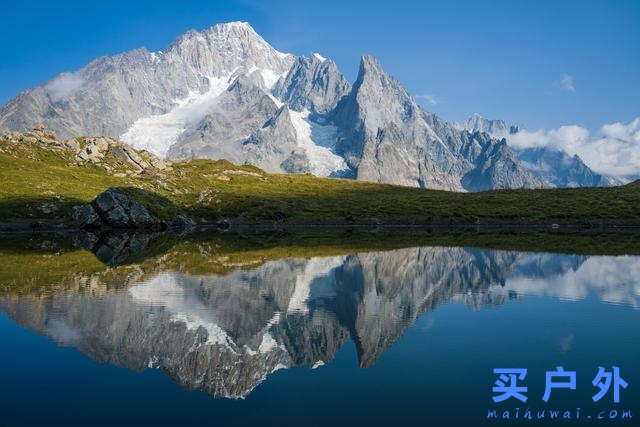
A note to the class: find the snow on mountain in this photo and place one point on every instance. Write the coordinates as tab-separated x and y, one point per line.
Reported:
169	291
157	133
319	57
318	142
225	92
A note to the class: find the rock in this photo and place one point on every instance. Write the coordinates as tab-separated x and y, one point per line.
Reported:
135	158
131	157
47	208
223	224
118	210
108	200
241	172
117	217
182	222
312	83
85	240
157	163
85	216
119	153
113	247
71	144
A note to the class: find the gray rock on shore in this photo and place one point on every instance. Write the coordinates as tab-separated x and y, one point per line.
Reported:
113	208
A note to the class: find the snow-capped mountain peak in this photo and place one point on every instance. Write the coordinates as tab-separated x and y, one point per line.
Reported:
225	92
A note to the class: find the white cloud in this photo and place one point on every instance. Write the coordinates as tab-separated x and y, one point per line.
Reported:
613	279
63	85
431	99
567	83
614	150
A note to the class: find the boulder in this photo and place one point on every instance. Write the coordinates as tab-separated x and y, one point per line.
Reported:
85	240
114	247
223	224
85	216
115	209
120	211
94	150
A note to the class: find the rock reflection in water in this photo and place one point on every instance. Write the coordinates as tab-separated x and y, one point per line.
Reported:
224	334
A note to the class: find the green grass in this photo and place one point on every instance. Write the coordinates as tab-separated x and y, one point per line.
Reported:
35	178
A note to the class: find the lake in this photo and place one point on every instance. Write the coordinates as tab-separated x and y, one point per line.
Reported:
213	332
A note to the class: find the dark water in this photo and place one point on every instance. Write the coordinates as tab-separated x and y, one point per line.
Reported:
402	337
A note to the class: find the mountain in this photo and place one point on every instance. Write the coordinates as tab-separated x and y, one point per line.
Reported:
314	84
226	93
561	169
149	98
496	128
387	137
554	166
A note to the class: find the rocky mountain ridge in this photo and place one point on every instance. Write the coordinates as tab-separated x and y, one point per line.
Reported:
556	167
226	93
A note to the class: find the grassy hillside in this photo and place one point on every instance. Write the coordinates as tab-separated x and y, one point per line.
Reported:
44	182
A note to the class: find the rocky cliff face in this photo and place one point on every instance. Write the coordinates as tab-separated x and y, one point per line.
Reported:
226	93
313	84
386	134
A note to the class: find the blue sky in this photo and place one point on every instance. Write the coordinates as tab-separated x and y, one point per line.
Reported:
539	63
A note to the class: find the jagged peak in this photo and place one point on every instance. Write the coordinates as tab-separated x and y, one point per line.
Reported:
372	75
234	28
312	60
477	117
234	24
369	63
225	31
370	66
319	57
216	31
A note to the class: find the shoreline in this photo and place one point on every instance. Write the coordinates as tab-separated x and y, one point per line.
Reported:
553	225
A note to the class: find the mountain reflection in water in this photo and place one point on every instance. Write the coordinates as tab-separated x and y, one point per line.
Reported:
225	333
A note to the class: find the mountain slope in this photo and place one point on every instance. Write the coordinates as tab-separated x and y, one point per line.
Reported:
387	136
225	93
147	95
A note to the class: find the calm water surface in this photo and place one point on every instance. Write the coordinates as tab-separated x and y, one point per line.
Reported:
402	337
